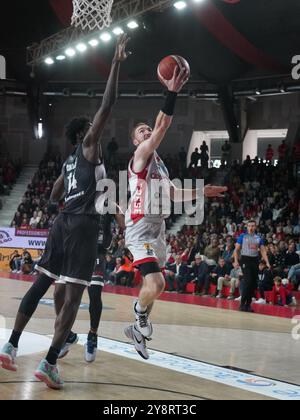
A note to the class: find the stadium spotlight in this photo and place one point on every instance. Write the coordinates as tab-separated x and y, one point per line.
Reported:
105	36
81	47
132	24
49	61
70	52
94	42
118	31
180	5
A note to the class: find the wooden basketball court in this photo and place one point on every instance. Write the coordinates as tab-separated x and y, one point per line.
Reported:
196	353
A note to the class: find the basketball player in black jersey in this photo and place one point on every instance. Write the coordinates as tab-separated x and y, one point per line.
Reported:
70	251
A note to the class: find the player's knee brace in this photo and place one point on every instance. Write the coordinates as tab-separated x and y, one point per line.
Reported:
149	268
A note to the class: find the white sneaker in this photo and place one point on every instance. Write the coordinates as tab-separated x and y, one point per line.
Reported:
139	341
261	301
90	349
142	322
238	299
294	301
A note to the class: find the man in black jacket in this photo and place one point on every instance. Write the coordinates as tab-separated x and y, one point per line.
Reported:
178	272
199	273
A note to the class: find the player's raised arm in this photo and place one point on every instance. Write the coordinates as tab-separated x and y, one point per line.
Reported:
164	118
92	138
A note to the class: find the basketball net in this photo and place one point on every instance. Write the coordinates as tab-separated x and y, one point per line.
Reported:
92	14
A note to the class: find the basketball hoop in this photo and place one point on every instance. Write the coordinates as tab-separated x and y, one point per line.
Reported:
92	14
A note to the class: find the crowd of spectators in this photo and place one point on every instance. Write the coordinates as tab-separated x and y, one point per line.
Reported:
260	191
202	254
35	211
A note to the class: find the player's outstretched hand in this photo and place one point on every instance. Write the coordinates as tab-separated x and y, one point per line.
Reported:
120	53
214	191
179	79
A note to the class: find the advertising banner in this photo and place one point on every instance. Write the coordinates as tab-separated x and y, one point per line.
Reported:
12	238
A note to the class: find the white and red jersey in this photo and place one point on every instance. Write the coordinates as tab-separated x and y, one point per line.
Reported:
150	192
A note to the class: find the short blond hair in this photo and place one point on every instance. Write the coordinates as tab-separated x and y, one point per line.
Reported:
135	127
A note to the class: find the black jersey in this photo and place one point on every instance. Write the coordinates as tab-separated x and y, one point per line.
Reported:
80	180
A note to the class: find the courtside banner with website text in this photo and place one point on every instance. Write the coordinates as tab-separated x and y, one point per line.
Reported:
9	238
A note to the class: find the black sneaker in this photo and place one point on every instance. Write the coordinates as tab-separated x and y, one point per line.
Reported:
71	341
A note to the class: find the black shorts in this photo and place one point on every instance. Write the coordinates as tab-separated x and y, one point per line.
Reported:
71	249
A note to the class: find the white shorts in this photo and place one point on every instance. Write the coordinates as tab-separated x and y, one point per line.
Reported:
147	242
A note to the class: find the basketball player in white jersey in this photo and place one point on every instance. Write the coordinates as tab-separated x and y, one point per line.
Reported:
145	231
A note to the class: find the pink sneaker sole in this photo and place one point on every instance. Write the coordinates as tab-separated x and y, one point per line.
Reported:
7	363
44	378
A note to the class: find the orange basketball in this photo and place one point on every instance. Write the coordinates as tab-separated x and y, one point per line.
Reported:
166	66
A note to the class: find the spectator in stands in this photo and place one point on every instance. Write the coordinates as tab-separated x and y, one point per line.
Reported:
27	263
119	251
212	252
288	229
199	273
204	147
219	275
230	226
24	224
34	221
291	258
226	149
195	157
265	281
109	267
113	277
125	273
15	261
204	156
281	295
178	272
269	154
18	219
231	280
294	276
189	254
296	229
